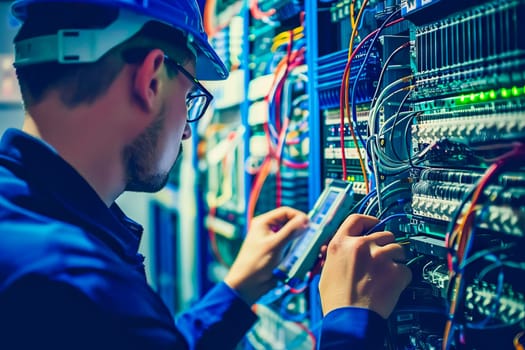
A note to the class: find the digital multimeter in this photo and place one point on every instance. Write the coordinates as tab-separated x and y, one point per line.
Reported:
330	210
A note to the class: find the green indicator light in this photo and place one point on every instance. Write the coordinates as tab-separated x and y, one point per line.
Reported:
504	92
492	94
515	91
472	97
461	99
482	96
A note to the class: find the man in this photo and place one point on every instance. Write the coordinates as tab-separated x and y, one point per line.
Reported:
109	90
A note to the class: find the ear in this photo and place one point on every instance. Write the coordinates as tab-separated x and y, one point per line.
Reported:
147	83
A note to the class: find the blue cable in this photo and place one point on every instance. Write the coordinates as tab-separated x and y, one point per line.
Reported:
365	11
283	311
382	223
354	86
274	294
365	201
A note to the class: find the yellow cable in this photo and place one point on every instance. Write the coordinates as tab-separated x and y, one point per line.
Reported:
284	41
286	33
354	27
517	341
346	83
352	12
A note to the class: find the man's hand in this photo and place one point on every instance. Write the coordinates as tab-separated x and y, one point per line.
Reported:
262	250
363	271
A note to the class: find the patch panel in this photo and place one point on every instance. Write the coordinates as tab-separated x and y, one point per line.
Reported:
486	300
332	124
334	171
469	122
439	194
330	73
476	55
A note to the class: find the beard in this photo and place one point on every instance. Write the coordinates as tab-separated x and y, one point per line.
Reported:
139	158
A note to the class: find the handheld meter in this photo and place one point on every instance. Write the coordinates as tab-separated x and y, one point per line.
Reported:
330	210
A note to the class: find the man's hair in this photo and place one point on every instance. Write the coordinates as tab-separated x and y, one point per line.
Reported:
85	82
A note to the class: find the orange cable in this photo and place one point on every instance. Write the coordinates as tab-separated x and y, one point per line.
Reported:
257	13
345	106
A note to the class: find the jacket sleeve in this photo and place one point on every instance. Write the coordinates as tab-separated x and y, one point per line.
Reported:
352	328
39	313
219	320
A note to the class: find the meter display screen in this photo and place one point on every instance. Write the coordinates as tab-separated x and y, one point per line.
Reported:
321	211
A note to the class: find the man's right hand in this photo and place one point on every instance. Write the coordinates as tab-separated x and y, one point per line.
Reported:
363	271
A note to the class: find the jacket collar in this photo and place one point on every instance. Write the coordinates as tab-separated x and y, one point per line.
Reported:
56	189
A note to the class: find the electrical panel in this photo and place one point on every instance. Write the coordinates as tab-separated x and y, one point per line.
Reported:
420	107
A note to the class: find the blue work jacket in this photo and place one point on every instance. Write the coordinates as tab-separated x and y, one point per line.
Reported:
71	276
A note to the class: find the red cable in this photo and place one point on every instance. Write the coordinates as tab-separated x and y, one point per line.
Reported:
281	131
342	120
257	13
342	93
213	240
310	335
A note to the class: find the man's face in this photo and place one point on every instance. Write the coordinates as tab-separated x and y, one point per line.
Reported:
151	156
